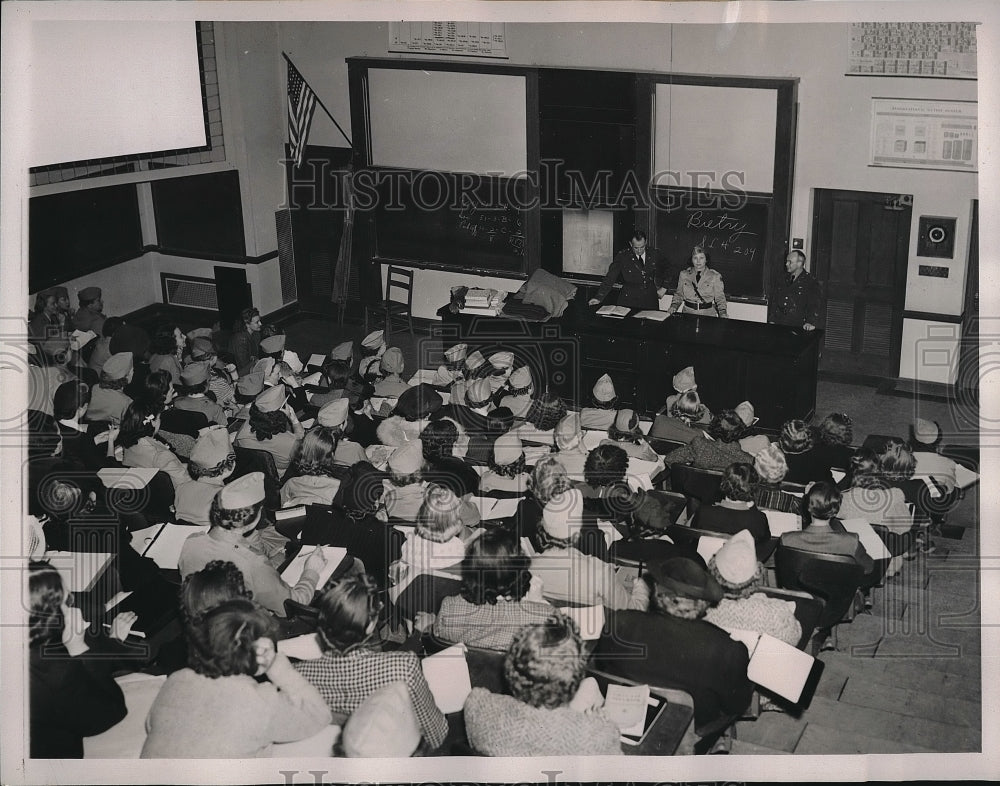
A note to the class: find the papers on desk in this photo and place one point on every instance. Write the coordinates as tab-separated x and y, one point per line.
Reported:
625	706
162	543
780	522
869	539
656	316
838	475
132	478
617	312
303	647
334	556
308	423
118	598
316	360
589	619
447	674
283	514
774	665
313	379
640	473
492	508
79	570
708	545
78	339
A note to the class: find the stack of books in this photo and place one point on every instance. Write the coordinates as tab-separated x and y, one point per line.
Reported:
483	301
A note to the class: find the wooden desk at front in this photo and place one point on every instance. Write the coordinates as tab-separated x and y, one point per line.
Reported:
772	366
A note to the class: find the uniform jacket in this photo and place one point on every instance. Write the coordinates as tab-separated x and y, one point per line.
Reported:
796	301
709	289
639	282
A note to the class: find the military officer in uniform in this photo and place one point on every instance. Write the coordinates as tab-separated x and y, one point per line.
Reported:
699	288
90	316
641	271
796	300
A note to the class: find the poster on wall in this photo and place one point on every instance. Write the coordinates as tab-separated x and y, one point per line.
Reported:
924	134
469	39
945	50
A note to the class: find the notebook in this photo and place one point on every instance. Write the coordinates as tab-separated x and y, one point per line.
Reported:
780	522
656	316
617	312
162	543
775	665
334	556
304	647
315	360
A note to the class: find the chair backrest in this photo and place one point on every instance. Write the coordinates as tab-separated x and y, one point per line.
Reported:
400	279
699	484
183	421
252	460
808	610
425	593
833	577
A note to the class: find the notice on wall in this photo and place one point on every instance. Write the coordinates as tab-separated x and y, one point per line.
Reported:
470	39
587	236
934	49
925	134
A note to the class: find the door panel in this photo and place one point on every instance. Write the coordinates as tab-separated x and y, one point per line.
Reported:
860	253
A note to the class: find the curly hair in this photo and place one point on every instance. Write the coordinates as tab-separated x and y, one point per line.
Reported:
836	429
347	610
727	426
197	471
337	372
439	518
222	643
156	386
545	664
499	420
548	478
866	471
605	465
138	421
438	439
108	383
738	482
495	567
546	411
203	590
796	437
737	591
314	453
822	502
896	460
666	602
265	425
164	342
399	481
246	317
46	595
688	407
233	518
511	470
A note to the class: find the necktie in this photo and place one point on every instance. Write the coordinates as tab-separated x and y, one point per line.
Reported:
697	277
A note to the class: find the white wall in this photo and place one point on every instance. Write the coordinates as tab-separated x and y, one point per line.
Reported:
264	279
125	287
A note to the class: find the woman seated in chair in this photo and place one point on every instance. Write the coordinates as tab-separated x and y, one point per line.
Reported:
507	469
72	693
683	420
216	707
353	665
137	438
625	433
771	469
157	389
167	345
546	411
898	465
391	365
834	436
736	511
334	376
403	490
673	646
743	606
822	531
717	448
272	426
108	400
551	709
313	477
220	379
498	597
443	530
192	392
445	444
211	464
805	464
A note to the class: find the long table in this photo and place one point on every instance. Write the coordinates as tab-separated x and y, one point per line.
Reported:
772	366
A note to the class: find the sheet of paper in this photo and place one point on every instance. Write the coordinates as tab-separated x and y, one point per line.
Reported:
165	548
589	619
610	531
613	311
780	667
965	477
873	544
79	569
447	674
625	706
645	426
780	522
313	379
283	514
708	545
838	475
308	423
315	360
592	438
118	598
485	506
334	556
656	316
78	339
132	478
640	473
303	647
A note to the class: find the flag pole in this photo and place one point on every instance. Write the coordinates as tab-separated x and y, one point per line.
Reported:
320	102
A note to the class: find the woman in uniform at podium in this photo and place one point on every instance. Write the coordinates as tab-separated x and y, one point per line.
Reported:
700	289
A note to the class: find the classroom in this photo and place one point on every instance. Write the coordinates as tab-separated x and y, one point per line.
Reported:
430	368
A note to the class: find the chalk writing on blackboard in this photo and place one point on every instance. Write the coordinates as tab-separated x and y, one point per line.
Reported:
725	232
499	224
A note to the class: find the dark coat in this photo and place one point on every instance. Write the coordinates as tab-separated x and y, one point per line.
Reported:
639	282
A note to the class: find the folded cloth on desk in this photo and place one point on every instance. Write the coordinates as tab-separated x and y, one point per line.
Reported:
549	291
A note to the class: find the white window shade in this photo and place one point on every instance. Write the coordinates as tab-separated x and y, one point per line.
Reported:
111	88
448	121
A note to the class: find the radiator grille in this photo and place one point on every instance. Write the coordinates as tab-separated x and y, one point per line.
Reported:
198	293
878	326
286	256
839	324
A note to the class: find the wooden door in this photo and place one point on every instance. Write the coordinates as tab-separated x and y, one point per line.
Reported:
860	246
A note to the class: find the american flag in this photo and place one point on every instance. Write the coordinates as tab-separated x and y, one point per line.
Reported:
301	105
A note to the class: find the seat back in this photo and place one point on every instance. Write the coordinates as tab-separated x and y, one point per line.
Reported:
835	578
698	484
399	284
183	421
252	460
425	593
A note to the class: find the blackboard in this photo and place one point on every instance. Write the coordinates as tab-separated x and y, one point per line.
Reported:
79	232
201	215
458	220
732	229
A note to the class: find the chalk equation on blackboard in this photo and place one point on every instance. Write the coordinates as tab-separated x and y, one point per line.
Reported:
724	232
498	223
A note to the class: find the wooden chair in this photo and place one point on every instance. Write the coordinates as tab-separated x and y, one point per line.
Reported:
401	280
700	486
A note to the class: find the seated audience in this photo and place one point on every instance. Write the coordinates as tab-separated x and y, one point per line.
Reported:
507	469
192	389
444	445
771	469
216	708
353	666
335	418
107	401
601	415
822	531
235	515
805	464
551	709
683	420
625	433
498	595
898	465
334	376
221	375
440	537
167	346
742	607
750	443
52	363
244	345
717	448
272	426
45	321
313	477
212	462
404	488
137	438
391	385
683	382
834	436
736	511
